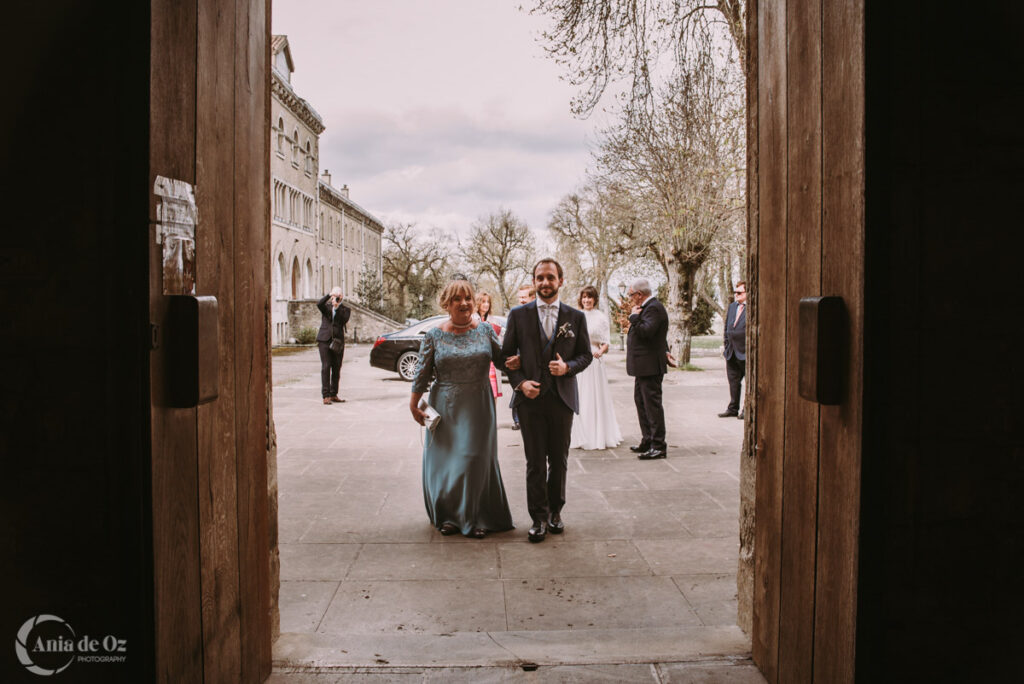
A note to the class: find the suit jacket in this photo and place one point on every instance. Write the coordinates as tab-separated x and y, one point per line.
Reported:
735	333
647	340
572	342
332	326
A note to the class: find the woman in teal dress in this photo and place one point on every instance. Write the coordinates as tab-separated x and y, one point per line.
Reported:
462	485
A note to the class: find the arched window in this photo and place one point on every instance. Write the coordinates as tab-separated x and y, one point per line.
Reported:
295	147
296	278
309	157
282	277
280	136
308	293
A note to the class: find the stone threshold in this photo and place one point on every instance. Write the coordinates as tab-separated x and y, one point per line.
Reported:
324	652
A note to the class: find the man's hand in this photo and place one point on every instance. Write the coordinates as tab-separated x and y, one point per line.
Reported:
530	388
512	362
637	309
558	366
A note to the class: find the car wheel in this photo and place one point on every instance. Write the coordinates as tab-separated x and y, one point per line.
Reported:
407	365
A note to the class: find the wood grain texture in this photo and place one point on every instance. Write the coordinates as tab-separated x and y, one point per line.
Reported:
842	274
771	342
176	577
252	328
803	275
748	457
218	509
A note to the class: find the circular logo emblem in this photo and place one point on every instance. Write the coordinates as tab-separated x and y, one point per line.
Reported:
45	645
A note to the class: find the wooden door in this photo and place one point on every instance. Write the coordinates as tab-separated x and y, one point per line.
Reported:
209	134
808	232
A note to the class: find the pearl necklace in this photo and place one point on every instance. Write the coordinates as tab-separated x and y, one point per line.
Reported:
457	326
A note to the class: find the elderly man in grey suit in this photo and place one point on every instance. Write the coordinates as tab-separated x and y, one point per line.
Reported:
736	349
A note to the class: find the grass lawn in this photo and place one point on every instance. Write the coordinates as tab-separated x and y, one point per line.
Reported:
706	342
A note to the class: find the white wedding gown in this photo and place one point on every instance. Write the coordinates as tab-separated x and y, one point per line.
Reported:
595	427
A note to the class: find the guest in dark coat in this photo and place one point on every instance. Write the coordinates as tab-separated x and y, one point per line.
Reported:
736	349
332	327
647	362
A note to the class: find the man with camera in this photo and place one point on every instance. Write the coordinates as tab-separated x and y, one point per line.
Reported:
331	341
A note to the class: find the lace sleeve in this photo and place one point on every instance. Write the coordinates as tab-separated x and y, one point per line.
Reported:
600	333
425	364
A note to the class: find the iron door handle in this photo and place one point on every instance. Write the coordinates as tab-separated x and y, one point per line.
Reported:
822	351
193	350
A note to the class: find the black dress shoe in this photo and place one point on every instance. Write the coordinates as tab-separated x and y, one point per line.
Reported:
515	426
652	454
556	526
448	529
640	448
740	415
727	414
477	533
538	532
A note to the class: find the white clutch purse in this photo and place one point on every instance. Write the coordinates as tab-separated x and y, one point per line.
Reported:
433	417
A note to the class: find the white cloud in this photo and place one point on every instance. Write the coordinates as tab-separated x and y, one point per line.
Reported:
438	111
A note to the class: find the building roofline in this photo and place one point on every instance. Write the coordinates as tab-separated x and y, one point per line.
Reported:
329	192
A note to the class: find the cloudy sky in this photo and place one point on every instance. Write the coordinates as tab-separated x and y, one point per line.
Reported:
437	111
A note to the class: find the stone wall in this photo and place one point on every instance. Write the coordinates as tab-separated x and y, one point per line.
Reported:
363	326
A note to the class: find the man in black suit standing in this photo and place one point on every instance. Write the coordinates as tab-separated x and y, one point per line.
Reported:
736	349
331	341
646	361
553	345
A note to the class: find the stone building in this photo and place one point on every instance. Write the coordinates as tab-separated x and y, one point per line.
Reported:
350	237
319	237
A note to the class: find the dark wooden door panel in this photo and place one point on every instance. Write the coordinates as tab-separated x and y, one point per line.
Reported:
251	341
810	241
843	264
771	335
215	244
803	278
209	127
176	580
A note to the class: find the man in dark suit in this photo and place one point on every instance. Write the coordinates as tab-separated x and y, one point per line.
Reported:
736	349
553	345
647	362
334	316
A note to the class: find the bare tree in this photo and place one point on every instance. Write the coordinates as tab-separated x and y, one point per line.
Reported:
415	265
587	226
683	164
602	41
501	247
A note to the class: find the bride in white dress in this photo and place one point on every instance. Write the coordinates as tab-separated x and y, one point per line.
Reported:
595	427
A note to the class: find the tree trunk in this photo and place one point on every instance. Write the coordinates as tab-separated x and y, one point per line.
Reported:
681	277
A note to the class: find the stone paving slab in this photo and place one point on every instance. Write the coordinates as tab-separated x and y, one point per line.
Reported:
640	585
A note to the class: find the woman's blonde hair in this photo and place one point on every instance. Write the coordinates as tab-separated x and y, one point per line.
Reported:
456	287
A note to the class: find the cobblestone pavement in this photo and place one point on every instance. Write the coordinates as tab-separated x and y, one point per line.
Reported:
640	587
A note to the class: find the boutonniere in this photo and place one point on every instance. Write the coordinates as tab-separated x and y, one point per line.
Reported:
565	331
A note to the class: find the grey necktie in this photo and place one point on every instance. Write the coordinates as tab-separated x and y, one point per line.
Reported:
549	319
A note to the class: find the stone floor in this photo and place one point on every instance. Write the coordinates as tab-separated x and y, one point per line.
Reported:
640	587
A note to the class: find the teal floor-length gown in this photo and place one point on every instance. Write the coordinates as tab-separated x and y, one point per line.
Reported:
461	478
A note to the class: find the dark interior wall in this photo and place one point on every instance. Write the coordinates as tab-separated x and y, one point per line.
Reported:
74	328
940	591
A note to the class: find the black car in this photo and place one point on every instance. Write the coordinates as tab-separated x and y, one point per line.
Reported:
399	350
